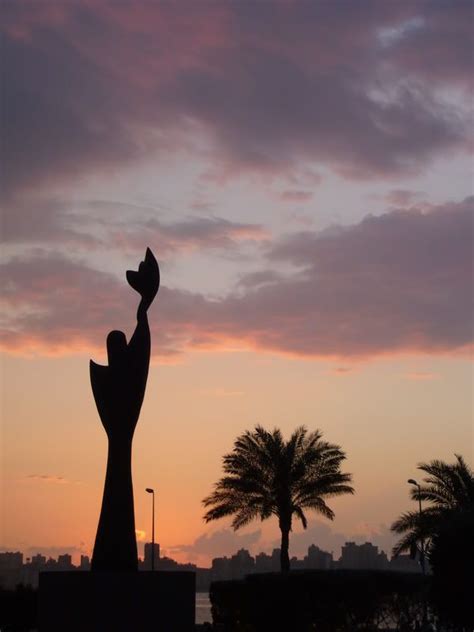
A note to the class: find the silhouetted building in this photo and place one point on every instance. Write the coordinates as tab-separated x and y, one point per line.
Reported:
148	553
220	568
296	564
167	564
10	560
241	564
85	563
236	567
263	563
353	556
38	561
65	562
364	556
316	558
11	567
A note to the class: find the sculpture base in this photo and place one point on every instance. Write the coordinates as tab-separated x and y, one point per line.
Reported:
84	601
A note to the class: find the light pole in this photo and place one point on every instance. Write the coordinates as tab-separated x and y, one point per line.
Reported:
152	492
412	481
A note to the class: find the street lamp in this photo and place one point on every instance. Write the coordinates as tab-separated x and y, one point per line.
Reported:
152	492
411	481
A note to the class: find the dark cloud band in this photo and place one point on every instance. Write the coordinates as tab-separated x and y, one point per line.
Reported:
87	87
399	282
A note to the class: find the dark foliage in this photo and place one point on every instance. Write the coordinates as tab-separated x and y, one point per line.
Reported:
452	560
448	488
18	609
326	601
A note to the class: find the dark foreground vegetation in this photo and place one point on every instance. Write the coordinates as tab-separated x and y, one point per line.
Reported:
18	609
300	601
328	601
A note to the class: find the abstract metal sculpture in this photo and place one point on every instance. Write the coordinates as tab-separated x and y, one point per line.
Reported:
118	390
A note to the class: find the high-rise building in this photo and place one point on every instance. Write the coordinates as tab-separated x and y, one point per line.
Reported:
364	556
149	553
11	565
316	558
241	564
64	562
38	561
263	563
85	564
10	560
220	568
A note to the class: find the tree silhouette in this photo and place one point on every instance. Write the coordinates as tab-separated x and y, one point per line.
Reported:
267	476
452	561
449	488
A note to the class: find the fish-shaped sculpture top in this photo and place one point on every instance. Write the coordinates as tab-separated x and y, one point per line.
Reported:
119	389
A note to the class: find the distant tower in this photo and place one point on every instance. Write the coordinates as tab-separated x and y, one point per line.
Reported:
148	555
85	564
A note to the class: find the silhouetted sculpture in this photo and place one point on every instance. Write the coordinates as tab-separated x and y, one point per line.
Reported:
118	390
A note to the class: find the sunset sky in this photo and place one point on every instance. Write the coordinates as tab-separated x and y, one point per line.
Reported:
303	173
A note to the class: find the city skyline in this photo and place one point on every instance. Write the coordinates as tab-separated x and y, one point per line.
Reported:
304	178
15	569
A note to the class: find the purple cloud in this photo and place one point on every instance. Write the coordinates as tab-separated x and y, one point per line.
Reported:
297	196
402	197
95	225
221	542
88	87
399	282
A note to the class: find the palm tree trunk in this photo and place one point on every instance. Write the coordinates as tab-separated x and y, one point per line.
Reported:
285	543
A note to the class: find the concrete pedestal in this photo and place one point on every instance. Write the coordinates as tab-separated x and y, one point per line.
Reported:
145	601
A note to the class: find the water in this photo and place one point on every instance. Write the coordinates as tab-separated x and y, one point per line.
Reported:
203	608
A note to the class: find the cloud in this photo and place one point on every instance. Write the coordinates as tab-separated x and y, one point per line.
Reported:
402	197
399	282
421	375
221	392
55	551
317	533
45	222
48	478
94	86
259	278
418	49
327	539
341	370
296	196
219	543
94	225
141	535
190	234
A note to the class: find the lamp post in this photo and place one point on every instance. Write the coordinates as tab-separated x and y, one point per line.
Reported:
152	492
412	481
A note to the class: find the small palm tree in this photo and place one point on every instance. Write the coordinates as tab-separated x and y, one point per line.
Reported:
449	488
267	476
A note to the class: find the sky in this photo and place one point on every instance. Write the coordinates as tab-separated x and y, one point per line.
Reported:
303	173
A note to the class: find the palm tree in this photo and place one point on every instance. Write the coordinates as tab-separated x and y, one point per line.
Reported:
449	488
267	476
